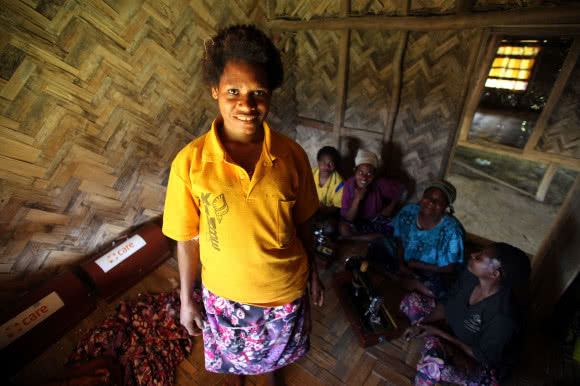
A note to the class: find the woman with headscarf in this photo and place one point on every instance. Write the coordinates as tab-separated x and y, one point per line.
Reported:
427	242
368	201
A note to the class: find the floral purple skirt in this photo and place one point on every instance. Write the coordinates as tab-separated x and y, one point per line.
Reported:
438	364
244	339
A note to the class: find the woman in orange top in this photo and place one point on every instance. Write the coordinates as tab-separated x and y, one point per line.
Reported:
239	200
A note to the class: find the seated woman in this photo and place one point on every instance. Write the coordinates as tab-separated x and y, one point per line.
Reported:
427	242
483	318
329	186
368	202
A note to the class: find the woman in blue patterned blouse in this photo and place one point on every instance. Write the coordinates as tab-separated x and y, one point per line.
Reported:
427	242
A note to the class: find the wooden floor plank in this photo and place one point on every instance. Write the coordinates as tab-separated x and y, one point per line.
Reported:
361	371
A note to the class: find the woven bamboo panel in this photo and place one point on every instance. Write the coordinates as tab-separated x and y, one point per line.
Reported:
370	79
317	64
305	9
434	75
562	135
96	98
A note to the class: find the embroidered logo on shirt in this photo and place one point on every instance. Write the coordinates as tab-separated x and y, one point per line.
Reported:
473	324
220	206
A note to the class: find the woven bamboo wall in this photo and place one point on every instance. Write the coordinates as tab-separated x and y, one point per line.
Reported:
433	78
370	79
96	97
562	135
317	64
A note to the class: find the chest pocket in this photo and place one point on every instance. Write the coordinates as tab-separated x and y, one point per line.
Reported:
285	223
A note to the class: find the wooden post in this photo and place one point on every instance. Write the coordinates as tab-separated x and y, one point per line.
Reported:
546	181
397	81
474	57
477	89
557	261
342	76
555	95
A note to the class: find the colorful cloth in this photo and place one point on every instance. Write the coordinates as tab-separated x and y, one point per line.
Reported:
331	193
379	195
442	245
378	224
144	336
438	364
417	307
244	339
246	226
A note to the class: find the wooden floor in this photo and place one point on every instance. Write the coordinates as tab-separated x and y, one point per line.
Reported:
335	357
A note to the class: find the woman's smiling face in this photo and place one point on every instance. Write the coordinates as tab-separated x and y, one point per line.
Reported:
243	96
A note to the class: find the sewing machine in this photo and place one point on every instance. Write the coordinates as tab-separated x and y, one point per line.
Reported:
372	312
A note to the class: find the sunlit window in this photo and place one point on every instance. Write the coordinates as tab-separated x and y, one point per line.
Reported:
512	67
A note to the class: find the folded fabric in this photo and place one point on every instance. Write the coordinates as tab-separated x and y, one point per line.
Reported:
144	336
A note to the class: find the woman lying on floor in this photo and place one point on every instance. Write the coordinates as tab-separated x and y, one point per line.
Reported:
483	318
427	243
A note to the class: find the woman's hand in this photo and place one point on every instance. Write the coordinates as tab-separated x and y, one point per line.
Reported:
359	193
403	269
411	332
190	317
316	289
426	330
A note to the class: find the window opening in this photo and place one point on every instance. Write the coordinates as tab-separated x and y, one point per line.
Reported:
512	66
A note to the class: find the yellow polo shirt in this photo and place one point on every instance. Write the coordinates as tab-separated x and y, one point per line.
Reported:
331	193
249	249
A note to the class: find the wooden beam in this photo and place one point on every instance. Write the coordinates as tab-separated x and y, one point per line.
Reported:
479	85
341	82
557	262
520	16
555	95
494	179
325	126
536	156
546	181
474	57
320	125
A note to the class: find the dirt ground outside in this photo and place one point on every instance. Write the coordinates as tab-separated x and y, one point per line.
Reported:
498	213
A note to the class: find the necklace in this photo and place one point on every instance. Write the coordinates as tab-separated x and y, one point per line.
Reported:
419	225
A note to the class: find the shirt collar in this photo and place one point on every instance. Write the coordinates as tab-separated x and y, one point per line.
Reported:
213	149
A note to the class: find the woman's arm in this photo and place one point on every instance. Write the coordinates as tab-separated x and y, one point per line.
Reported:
416	264
188	262
434	331
389	209
351	213
304	233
